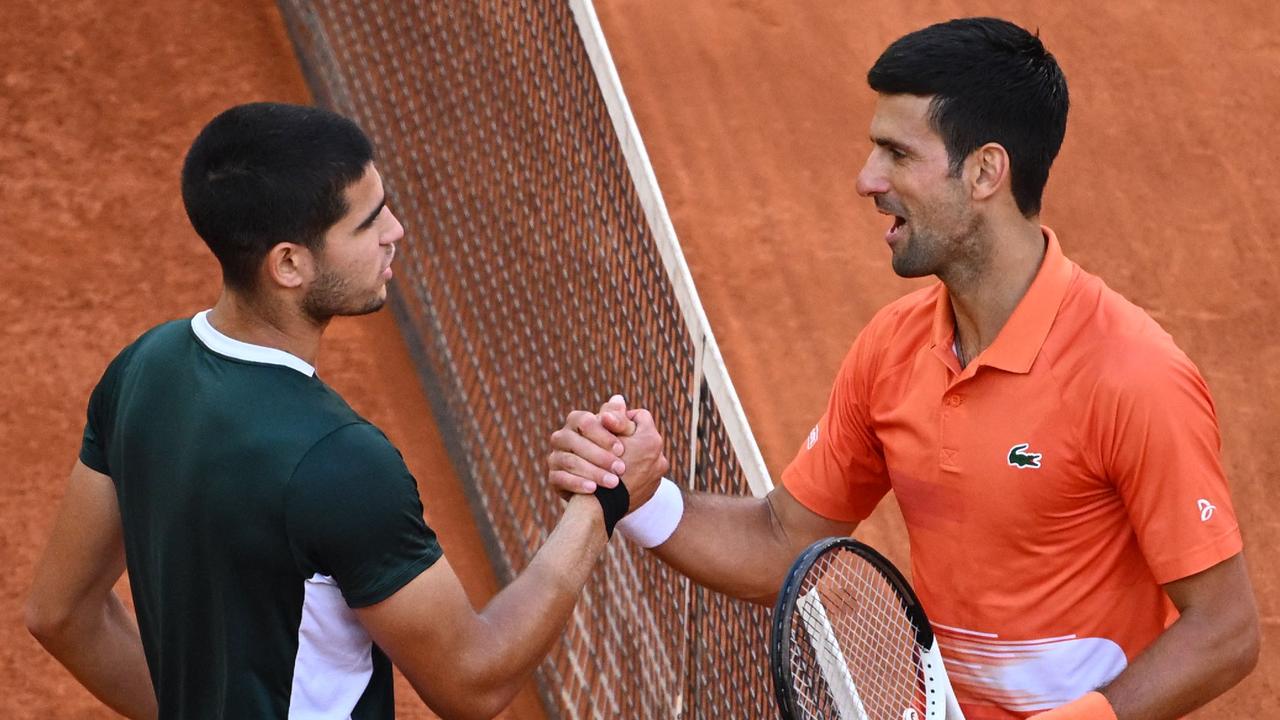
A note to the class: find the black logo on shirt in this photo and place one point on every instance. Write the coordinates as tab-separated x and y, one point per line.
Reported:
1020	458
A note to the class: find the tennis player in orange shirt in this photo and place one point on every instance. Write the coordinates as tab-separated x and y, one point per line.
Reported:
1055	455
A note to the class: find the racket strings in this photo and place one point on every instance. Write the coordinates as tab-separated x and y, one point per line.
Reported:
854	654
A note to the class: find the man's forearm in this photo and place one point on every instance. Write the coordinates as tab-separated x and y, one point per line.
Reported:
103	650
1191	663
1210	648
524	620
733	545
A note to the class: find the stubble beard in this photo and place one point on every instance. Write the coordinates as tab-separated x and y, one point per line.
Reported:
938	242
331	295
918	256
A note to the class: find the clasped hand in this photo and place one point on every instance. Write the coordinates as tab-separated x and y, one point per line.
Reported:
600	448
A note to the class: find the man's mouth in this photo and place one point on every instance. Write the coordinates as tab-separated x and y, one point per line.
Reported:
386	271
898	222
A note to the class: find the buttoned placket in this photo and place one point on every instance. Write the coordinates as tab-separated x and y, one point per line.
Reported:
951	413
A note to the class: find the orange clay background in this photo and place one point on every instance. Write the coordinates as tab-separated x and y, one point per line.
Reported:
755	114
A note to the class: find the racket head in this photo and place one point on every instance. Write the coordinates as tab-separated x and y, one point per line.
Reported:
841	592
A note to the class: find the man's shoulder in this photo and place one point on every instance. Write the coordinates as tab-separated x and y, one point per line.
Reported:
1110	319
901	326
355	457
256	398
894	333
357	438
156	341
168	333
1112	338
354	444
915	309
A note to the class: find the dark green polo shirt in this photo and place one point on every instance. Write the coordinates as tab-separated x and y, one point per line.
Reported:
258	509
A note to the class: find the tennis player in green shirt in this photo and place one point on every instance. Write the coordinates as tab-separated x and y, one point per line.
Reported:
274	539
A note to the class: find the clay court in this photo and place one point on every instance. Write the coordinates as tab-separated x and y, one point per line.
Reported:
755	115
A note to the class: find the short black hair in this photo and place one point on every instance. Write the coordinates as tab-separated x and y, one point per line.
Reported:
991	81
265	173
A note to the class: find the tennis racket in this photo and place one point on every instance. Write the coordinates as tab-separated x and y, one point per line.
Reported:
851	642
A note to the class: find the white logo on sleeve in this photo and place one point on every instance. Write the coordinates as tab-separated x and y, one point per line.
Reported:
812	439
1206	509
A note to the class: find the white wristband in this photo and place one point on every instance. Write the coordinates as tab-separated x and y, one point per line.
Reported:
652	523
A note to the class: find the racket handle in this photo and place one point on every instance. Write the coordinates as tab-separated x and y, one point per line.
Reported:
936	680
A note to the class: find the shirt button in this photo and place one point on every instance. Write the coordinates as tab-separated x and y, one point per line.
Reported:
954	400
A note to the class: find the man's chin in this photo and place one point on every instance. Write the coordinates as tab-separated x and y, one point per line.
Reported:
906	266
368	308
372	307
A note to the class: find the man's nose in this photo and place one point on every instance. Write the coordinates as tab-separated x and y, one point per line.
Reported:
871	181
397	231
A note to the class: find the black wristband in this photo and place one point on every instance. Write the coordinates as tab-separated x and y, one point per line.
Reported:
615	502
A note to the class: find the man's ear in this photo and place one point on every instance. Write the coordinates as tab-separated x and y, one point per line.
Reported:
288	265
989	166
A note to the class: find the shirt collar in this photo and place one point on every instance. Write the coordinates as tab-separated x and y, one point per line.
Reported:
1024	333
221	344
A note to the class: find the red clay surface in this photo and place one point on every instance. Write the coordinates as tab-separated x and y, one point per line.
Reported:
755	114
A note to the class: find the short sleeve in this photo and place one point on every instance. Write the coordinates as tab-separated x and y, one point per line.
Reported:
840	472
1161	448
352	512
100	415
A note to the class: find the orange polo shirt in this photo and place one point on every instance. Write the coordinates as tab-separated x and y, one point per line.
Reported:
1049	488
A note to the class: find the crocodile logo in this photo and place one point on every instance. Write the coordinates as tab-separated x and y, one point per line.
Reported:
1020	458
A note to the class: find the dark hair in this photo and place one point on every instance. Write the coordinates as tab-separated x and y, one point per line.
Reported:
265	173
991	81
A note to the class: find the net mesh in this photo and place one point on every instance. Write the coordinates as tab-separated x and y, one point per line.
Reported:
529	284
853	652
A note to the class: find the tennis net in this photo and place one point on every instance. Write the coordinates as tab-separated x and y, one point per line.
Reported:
539	274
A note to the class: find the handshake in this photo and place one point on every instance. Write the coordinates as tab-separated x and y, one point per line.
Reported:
616	454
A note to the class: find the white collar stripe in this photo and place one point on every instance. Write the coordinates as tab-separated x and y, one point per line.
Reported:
232	348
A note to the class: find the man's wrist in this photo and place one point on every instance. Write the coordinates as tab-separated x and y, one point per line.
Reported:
653	523
1091	706
614	502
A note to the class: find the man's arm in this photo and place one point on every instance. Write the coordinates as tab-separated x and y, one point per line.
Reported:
741	546
466	664
1157	440
72	609
1212	646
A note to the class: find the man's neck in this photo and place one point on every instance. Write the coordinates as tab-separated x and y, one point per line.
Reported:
983	298
262	322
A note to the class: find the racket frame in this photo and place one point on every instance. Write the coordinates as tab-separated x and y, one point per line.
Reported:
940	698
